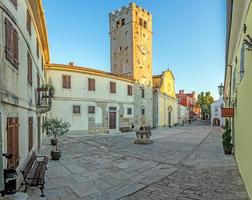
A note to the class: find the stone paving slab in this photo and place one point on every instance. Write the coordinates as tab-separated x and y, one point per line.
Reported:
181	163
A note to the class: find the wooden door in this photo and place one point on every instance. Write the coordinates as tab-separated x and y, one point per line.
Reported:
13	142
169	118
39	133
112	120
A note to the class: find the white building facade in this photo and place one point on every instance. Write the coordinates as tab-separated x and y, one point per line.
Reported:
23	52
216	119
92	101
183	114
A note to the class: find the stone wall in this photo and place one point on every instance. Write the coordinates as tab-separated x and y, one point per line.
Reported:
142	102
155	109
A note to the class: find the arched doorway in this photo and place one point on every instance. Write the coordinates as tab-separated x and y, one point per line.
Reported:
216	122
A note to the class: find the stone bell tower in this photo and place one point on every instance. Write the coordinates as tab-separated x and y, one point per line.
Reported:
131	43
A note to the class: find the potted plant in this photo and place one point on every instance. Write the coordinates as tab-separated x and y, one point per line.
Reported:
56	128
227	138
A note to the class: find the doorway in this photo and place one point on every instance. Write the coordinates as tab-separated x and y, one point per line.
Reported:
39	133
112	120
169	119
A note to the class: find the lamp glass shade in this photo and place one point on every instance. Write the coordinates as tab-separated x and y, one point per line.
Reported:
220	89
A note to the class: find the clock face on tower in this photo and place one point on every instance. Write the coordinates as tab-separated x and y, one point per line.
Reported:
143	49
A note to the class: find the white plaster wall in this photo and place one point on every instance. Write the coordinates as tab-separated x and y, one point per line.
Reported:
183	113
216	113
164	102
14	87
64	99
79	87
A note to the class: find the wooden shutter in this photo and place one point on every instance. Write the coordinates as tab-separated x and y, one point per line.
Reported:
8	40
13	142
11	43
63	81
29	68
129	90
15	48
30	129
112	87
28	22
91	84
68	81
14	2
37	48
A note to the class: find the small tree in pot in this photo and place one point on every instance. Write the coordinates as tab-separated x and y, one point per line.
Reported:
56	128
227	138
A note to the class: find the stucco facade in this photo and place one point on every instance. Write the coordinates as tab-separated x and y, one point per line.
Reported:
17	94
165	106
238	83
101	98
183	114
216	118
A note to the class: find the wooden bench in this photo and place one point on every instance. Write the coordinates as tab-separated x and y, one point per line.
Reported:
34	172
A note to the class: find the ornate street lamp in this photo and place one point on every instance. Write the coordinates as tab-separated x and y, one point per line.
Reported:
220	89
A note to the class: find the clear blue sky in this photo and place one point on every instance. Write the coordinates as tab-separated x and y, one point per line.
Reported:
189	37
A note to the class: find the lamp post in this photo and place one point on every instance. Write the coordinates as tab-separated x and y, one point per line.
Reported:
220	89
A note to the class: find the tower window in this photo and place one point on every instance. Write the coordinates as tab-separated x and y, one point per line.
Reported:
123	21
117	24
145	24
140	21
143	111
120	48
142	92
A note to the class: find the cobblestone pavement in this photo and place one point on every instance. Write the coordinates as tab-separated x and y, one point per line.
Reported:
181	163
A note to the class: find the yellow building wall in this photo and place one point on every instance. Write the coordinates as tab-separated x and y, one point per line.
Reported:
168	85
243	111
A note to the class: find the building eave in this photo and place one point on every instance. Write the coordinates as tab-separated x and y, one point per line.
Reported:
90	71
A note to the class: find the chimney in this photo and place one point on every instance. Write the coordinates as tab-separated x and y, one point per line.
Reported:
181	91
71	64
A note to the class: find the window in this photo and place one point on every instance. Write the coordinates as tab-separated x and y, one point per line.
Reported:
143	111
29	68
11	43
242	62
38	80
145	24
234	79
117	24
66	81
42	63
13	142
76	109
215	108
91	109
30	129
142	92
129	90
112	87
28	22
37	48
129	111
112	108
14	2
140	21
91	84
123	21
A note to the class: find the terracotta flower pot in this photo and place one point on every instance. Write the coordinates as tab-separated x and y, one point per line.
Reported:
56	155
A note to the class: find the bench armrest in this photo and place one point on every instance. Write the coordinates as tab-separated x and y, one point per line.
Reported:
45	158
